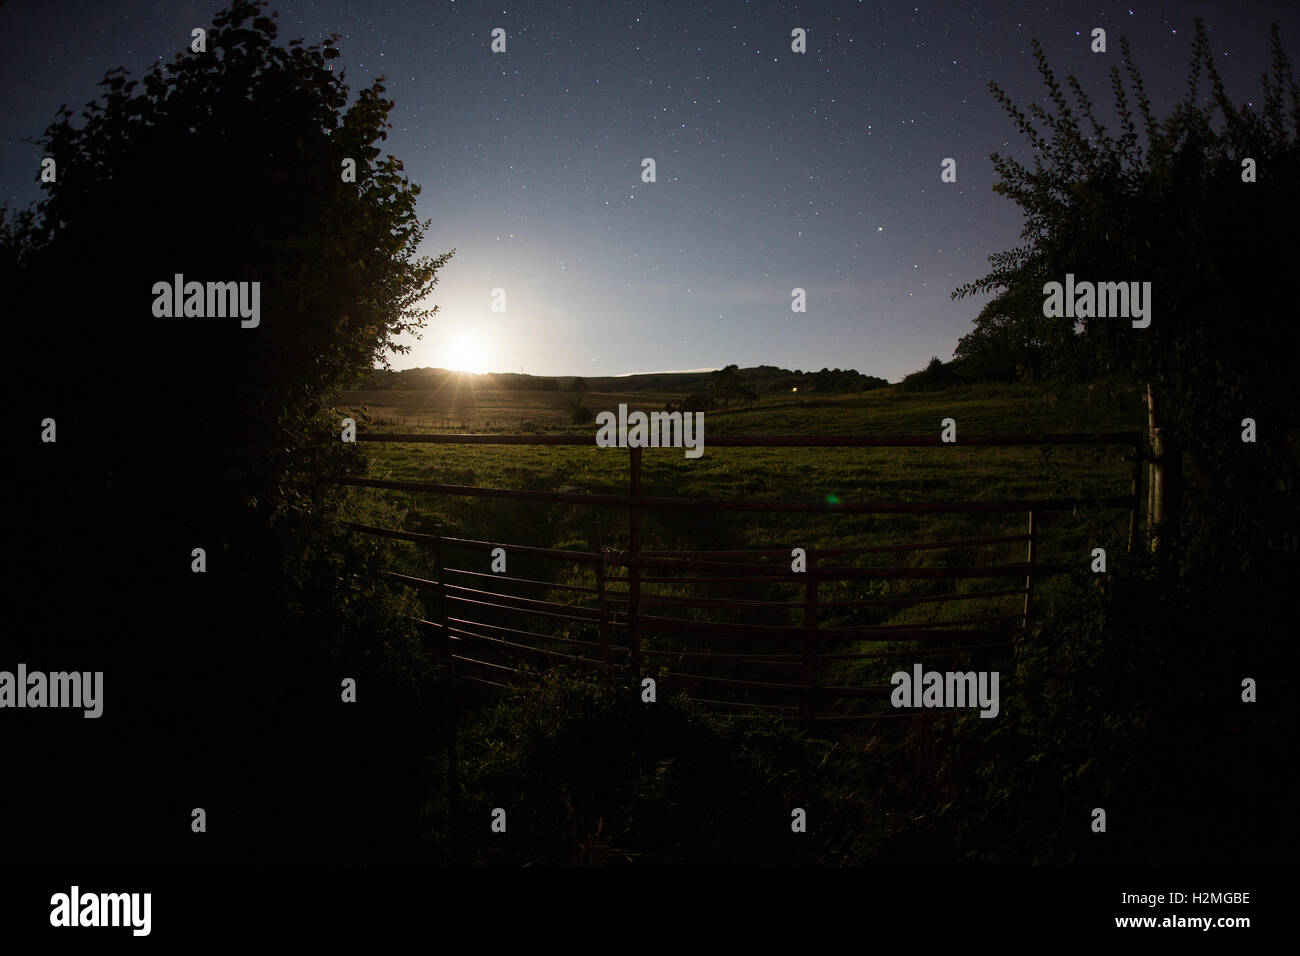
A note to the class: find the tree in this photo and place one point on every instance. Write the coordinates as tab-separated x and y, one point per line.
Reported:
177	434
725	386
1122	678
579	388
1012	335
1170	204
935	376
226	166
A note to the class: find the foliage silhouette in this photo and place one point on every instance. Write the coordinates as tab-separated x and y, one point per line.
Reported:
1164	201
222	688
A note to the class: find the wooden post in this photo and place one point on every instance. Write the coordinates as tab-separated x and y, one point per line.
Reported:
808	707
452	758
442	602
1151	500
600	598
1136	486
1156	492
1166	479
1029	575
634	569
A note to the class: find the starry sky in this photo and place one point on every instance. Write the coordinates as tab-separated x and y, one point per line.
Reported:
774	169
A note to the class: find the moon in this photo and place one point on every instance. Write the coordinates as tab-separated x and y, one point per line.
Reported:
466	351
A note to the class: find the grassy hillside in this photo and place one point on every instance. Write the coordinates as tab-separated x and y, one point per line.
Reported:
471	408
439	400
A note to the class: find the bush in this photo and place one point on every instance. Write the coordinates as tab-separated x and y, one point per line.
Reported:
588	774
1128	698
934	377
227	680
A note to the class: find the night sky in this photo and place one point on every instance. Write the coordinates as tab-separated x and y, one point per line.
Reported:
775	170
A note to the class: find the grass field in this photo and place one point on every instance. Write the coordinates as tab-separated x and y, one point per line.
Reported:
487	410
948	473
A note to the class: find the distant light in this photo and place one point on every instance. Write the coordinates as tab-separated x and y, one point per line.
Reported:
794	389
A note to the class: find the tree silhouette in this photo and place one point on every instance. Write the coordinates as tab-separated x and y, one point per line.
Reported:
1163	201
1169	203
183	433
1011	334
579	388
226	166
726	386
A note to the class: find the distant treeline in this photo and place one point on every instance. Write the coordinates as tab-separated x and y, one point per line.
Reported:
760	379
831	380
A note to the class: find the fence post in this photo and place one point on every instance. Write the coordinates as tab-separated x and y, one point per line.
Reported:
1166	479
634	568
1136	488
808	709
453	761
442	603
1029	575
1156	503
600	599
